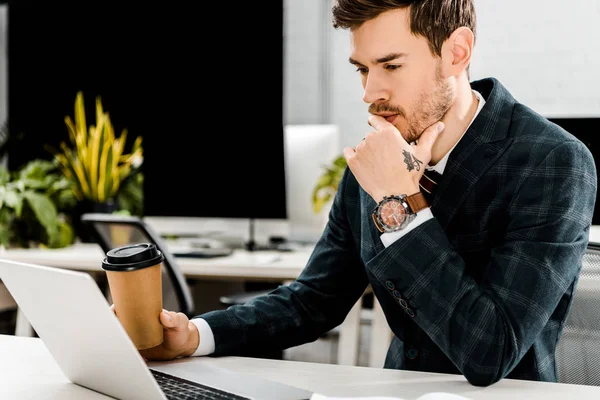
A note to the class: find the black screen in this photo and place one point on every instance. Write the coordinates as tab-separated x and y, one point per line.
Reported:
587	130
202	84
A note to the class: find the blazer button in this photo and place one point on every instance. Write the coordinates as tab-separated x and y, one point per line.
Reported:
412	353
403	303
396	294
389	285
410	312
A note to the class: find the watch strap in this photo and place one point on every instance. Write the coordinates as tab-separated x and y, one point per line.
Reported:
377	225
417	202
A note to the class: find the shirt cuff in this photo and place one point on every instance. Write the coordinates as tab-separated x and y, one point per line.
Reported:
388	238
207	339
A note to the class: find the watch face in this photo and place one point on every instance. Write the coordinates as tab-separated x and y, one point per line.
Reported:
392	213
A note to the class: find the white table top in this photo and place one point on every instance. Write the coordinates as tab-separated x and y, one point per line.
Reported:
242	264
28	371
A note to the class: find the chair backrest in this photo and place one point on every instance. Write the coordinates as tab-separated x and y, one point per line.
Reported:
578	350
113	230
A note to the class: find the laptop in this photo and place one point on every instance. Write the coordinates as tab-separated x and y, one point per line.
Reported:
72	317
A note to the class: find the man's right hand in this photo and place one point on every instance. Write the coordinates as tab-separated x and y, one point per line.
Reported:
181	337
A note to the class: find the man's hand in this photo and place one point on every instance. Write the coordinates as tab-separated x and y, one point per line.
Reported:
384	163
181	337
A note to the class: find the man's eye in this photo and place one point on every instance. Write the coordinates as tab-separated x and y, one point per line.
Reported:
393	67
362	70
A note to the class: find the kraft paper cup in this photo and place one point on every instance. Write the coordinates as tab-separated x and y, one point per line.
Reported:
134	274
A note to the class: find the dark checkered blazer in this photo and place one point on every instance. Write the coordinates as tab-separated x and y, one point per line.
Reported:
480	290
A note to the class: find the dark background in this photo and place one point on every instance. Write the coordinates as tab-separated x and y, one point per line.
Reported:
203	86
588	131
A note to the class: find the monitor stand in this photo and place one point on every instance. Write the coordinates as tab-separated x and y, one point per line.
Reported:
251	244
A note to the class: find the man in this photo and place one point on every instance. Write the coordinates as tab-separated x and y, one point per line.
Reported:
476	280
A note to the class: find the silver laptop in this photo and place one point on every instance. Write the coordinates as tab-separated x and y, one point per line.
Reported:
71	315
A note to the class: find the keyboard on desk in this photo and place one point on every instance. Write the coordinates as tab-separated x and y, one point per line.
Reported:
176	388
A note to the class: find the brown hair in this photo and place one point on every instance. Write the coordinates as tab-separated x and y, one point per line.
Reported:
433	19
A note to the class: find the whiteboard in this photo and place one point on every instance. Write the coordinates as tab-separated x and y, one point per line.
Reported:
547	53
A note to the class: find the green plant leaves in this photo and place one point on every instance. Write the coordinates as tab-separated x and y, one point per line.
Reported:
11	199
327	184
30	203
44	210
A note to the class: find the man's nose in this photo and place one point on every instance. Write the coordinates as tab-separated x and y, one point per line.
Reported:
375	90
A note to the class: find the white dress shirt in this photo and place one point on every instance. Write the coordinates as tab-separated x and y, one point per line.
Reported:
207	339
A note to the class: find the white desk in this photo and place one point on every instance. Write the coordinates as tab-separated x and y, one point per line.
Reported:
242	265
28	371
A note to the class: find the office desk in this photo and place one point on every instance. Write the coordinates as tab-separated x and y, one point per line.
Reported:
242	265
28	371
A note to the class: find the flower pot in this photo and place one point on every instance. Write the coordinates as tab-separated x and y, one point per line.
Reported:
84	234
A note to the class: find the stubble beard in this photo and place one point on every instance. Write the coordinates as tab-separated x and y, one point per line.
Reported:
430	108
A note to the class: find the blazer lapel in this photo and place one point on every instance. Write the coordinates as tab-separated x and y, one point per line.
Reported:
480	147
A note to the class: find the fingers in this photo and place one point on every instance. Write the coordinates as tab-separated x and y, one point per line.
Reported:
174	320
378	122
349	152
430	135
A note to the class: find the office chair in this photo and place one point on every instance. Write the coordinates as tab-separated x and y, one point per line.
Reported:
112	230
8	311
578	350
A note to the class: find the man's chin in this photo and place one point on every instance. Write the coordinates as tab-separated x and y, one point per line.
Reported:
409	135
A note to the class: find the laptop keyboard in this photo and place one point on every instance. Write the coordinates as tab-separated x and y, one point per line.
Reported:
176	388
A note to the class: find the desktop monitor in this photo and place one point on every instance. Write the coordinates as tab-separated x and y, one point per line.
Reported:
207	99
586	130
3	91
308	150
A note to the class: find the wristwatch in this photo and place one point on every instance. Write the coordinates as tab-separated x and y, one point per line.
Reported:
395	212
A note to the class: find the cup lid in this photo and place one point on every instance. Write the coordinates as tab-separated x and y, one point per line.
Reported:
132	257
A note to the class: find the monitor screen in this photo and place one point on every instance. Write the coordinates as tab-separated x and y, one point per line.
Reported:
202	85
586	130
3	90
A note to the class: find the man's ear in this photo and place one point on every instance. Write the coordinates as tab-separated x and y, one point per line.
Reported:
457	51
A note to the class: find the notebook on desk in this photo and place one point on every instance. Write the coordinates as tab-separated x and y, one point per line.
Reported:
73	318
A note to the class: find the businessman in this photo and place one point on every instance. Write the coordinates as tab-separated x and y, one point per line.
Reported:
475	268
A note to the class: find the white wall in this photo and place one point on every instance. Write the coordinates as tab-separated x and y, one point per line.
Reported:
305	62
320	85
545	53
349	111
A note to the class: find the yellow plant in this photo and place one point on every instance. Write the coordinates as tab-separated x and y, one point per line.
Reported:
96	163
327	184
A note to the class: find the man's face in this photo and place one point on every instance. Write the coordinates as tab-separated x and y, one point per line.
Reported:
402	79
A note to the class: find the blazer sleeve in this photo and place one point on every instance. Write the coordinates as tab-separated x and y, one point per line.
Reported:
486	327
316	302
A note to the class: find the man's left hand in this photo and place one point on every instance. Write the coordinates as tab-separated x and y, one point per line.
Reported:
385	164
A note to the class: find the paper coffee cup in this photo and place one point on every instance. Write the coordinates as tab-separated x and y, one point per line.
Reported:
134	274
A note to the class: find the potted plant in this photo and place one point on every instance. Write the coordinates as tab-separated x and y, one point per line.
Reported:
104	177
34	202
327	184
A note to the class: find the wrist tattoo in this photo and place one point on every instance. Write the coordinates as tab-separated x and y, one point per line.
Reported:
411	161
